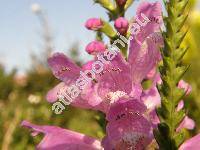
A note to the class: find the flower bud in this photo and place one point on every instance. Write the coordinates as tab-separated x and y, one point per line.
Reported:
95	47
121	25
94	24
121	2
185	86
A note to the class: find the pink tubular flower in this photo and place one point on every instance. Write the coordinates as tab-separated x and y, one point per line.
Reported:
94	24
122	25
143	47
127	128
95	47
62	139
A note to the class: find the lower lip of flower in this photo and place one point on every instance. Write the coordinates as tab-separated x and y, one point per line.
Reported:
133	141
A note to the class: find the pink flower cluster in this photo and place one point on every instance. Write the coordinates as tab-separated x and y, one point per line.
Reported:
117	92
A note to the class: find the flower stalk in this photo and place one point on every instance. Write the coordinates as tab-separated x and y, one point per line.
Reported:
172	70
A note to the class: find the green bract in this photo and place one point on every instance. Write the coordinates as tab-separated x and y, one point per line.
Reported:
171	72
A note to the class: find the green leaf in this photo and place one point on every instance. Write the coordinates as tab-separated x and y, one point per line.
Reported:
182	5
179	38
178	117
179	53
179	138
180	22
179	72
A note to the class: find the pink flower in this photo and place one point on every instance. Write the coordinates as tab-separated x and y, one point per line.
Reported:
127	127
143	47
67	71
95	47
94	24
153	11
192	143
122	25
62	139
63	68
119	78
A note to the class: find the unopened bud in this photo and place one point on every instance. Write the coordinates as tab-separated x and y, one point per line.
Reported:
121	25
94	24
95	47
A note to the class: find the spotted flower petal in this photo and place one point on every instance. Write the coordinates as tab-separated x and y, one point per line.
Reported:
127	127
153	11
115	77
63	68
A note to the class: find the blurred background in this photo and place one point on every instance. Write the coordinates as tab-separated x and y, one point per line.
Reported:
29	32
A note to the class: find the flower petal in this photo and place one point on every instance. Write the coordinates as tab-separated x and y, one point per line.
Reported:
127	127
191	144
115	77
143	53
52	94
62	139
143	58
106	143
151	98
153	11
187	123
63	68
125	105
